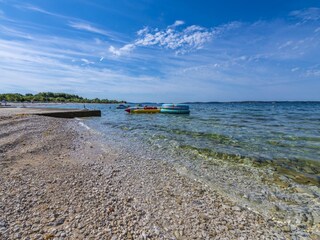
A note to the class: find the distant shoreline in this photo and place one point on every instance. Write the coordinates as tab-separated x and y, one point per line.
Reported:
15	104
214	102
51	97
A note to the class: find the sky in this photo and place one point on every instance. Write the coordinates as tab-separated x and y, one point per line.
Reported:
162	51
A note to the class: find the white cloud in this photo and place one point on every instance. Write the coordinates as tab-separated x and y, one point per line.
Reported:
142	31
97	41
186	40
177	23
114	51
123	50
309	14
286	44
255	55
313	71
37	9
40	10
193	28
193	37
181	41
73	22
86	61
89	28
30	66
15	33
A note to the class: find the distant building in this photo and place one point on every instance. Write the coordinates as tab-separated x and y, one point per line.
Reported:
4	102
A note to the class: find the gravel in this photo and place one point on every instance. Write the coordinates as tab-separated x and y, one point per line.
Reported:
58	181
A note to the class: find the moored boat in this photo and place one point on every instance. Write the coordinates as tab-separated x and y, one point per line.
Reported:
175	108
122	106
146	109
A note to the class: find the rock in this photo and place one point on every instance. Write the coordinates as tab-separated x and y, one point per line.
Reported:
129	235
16	229
3	224
59	221
144	236
114	237
316	217
176	234
236	208
17	235
286	228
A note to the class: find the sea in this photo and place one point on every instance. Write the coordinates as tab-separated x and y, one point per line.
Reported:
284	135
263	156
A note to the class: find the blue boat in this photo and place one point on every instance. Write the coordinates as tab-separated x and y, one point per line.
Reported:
122	106
175	108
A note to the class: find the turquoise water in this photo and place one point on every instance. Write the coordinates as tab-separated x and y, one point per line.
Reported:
281	134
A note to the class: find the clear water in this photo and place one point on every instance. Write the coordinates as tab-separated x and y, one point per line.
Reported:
285	134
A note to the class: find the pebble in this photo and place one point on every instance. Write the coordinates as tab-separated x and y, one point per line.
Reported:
59	221
236	208
120	197
3	224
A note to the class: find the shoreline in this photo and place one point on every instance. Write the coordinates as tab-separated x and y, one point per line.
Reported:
70	185
35	104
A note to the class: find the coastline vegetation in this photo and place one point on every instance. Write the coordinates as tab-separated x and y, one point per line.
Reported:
52	97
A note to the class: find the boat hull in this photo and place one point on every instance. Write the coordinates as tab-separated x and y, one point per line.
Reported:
175	108
143	110
175	111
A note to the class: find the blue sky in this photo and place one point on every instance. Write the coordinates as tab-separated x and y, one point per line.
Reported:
162	51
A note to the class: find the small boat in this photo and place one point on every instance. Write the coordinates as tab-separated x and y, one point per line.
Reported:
175	108
146	109
122	106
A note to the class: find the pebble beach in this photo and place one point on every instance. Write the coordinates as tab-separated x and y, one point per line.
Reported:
60	181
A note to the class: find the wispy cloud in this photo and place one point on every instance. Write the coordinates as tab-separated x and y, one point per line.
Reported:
15	33
41	10
295	69
86	61
121	51
181	41
35	68
190	38
309	14
313	71
253	58
177	23
89	28
73	22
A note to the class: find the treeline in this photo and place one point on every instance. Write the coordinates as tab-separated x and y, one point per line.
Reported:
52	97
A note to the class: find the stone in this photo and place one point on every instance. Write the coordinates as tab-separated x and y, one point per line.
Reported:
59	221
3	224
236	208
114	237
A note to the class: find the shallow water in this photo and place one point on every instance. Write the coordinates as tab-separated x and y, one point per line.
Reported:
281	134
262	156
